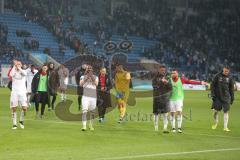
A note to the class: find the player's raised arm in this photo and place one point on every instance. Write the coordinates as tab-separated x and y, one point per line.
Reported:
81	82
96	81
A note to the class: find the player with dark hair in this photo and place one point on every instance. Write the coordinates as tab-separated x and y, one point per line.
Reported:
161	92
78	75
177	96
104	97
89	82
40	89
222	92
53	85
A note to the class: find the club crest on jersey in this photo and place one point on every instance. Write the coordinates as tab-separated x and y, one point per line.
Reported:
227	79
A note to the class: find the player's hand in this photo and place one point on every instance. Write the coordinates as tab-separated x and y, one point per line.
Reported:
204	83
15	62
213	98
164	80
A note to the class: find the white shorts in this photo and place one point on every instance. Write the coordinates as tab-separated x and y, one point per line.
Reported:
18	99
89	103
176	106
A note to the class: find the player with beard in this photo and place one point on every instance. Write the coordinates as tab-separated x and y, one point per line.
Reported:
89	82
176	98
161	93
222	91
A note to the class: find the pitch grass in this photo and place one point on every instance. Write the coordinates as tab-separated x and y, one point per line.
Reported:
53	139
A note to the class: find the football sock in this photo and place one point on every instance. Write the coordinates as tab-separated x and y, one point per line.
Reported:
84	119
165	121
172	120
215	116
14	118
122	111
225	120
179	121
156	120
91	118
21	116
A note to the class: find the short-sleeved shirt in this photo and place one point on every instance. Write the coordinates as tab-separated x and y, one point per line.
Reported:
89	87
122	81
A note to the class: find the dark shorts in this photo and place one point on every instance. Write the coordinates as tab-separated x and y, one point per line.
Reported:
104	99
218	106
41	97
161	107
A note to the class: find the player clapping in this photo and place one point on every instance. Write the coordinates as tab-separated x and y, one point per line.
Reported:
18	93
89	83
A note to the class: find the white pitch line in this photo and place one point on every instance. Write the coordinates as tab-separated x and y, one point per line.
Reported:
169	154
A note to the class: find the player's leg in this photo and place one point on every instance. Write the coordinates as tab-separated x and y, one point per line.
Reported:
179	106
164	110
173	121
92	107
155	114
49	103
105	103
22	114
79	102
100	106
54	97
29	99
165	122
24	104
215	119
14	117
216	106
156	118
179	121
13	107
44	101
226	108
85	104
37	102
123	105
172	115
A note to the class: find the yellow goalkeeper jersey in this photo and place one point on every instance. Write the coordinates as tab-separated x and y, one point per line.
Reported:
122	81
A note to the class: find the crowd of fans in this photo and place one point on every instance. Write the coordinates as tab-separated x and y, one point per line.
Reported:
3	33
7	50
199	41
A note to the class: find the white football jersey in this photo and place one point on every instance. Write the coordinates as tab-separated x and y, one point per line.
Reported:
29	78
18	80
89	87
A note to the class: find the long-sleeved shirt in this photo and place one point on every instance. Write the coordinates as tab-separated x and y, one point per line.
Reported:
187	81
18	80
222	88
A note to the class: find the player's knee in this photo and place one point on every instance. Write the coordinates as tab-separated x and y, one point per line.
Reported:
179	112
84	111
14	109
